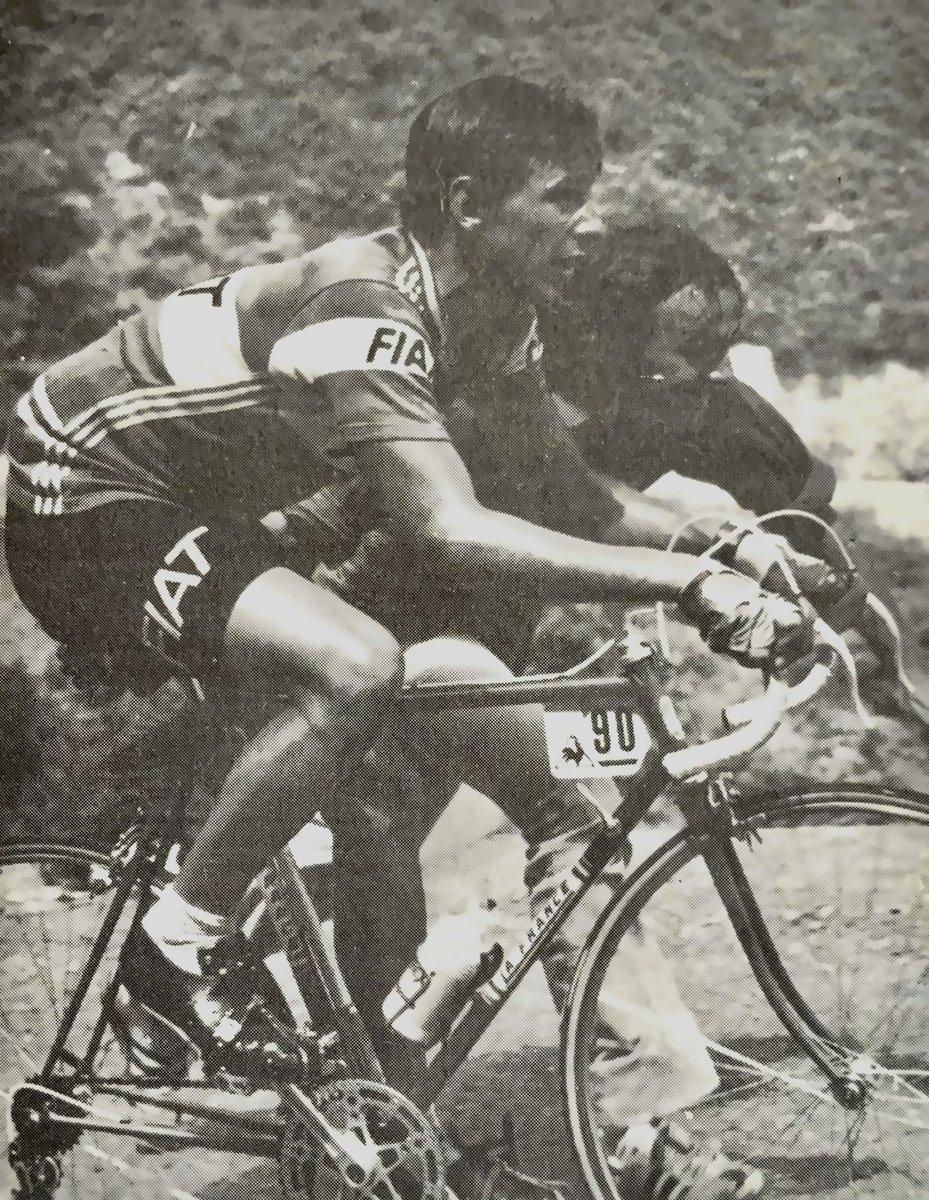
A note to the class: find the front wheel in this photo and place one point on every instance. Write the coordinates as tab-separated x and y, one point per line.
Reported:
666	1018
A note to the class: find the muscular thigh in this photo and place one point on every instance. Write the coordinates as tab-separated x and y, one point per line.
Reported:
207	596
285	632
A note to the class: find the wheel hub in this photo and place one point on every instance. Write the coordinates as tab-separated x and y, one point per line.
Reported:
851	1091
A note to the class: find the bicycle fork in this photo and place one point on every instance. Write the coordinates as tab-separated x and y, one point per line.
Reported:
791	1009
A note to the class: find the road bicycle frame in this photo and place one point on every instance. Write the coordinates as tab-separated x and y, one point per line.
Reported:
636	687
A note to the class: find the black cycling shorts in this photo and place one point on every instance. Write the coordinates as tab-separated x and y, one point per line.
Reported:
137	572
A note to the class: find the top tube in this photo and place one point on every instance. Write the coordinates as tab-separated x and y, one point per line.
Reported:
607	691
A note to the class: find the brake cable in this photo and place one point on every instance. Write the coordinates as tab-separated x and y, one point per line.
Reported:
920	706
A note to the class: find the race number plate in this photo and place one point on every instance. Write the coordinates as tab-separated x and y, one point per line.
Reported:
596	745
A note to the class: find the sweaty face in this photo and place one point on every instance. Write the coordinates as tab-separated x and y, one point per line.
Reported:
535	235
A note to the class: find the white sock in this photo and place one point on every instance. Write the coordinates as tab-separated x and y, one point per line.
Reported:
180	929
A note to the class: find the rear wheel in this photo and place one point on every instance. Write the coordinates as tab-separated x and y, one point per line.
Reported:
841	878
53	902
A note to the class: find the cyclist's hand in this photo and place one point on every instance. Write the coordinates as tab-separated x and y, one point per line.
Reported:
761	555
737	617
754	552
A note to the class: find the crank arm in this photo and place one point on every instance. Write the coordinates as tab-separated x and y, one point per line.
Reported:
357	1162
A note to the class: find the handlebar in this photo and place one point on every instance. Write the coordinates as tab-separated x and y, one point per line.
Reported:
750	723
755	722
822	663
767	714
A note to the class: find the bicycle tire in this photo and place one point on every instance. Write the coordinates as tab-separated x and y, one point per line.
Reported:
53	899
770	1107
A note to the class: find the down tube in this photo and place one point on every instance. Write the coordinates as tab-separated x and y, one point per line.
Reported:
487	1001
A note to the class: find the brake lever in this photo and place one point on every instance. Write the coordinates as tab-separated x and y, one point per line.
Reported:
917	705
800	692
837	644
893	645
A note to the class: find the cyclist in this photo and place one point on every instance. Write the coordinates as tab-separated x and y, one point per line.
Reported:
409	790
635	348
140	465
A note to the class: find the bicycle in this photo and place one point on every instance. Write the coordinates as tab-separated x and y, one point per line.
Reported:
825	1093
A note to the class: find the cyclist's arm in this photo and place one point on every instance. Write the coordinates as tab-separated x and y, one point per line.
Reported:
647	521
577	496
594	502
426	495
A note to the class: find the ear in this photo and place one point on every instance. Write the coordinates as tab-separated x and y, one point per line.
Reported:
461	204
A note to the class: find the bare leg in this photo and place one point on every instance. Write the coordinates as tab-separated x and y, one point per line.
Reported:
335	671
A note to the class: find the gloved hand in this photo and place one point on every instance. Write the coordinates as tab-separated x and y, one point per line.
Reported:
760	555
737	617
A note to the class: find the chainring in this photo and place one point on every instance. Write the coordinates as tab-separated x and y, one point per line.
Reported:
407	1143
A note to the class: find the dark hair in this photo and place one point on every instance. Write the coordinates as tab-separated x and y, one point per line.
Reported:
492	129
611	310
647	264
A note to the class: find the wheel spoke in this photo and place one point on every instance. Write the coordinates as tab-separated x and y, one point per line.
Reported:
794	1081
384	1178
55	930
840	881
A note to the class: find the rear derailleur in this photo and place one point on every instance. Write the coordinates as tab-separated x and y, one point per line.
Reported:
36	1151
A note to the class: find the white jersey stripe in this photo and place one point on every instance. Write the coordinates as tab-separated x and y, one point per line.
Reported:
49	476
83	426
26	415
44	405
210	401
76	424
141	418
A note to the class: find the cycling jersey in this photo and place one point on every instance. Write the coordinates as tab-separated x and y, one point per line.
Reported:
249	391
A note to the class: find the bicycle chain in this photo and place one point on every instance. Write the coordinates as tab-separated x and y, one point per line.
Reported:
35	1153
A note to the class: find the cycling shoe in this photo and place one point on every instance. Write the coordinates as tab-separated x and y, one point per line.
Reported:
661	1161
168	1020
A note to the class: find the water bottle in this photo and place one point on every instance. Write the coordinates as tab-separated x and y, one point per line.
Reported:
448	966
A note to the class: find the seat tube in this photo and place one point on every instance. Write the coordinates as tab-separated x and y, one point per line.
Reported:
295	916
154	844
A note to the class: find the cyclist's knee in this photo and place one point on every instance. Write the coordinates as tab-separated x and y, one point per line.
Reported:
311	646
368	669
567	634
354	688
